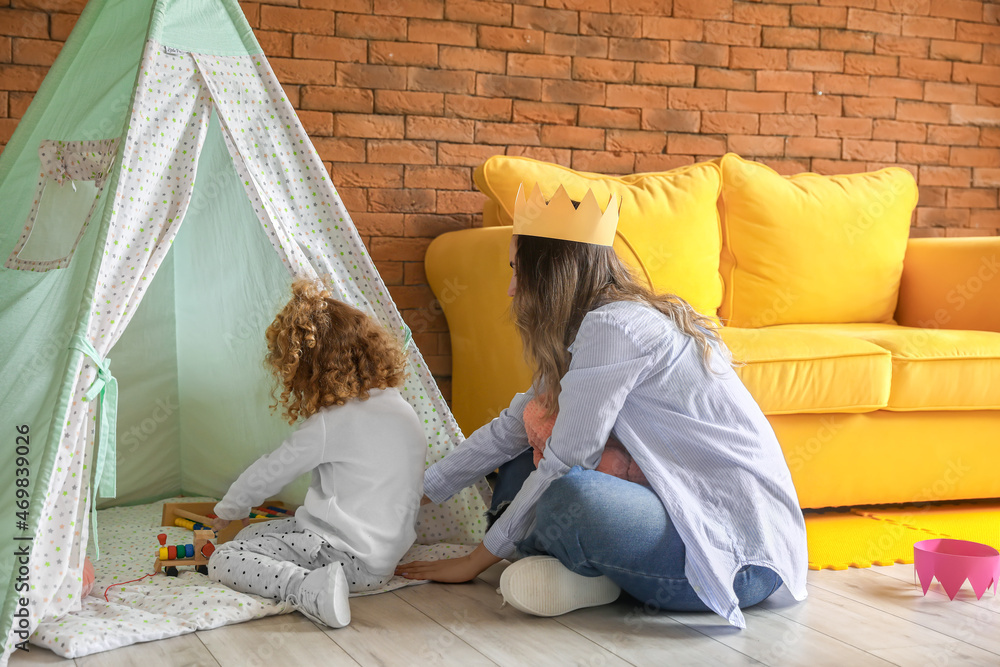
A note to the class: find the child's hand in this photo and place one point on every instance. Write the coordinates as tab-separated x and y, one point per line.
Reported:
218	525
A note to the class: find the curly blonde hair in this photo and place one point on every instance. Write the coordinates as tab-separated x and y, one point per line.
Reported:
324	352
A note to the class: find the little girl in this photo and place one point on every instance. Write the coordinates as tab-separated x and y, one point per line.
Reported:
338	369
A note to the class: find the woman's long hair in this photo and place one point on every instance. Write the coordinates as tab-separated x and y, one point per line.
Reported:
558	282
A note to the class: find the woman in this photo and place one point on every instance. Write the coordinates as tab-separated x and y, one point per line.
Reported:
717	528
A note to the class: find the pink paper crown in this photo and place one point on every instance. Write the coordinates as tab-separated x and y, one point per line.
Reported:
952	561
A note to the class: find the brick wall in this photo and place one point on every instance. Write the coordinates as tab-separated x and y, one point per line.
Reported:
405	97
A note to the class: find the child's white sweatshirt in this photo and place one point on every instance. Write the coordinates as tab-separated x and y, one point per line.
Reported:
367	463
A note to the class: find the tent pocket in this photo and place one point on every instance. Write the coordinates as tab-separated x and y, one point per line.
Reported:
70	186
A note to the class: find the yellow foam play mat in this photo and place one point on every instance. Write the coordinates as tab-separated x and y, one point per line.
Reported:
884	534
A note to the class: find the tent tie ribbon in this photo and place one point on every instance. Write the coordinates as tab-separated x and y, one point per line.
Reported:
106	387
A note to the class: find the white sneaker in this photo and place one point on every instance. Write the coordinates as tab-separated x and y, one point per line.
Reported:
542	586
323	596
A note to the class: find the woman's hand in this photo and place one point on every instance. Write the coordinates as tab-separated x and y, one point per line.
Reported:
218	525
425	501
450	570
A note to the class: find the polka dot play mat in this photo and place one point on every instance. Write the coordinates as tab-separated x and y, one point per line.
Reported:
159	606
884	534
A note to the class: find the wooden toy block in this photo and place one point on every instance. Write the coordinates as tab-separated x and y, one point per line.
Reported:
199	513
169	558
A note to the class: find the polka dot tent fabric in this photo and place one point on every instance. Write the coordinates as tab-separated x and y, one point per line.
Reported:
299	208
160	606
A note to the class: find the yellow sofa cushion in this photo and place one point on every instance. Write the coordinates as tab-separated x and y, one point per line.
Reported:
811	248
932	369
789	372
668	227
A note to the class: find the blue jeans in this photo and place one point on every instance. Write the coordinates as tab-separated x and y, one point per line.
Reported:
596	524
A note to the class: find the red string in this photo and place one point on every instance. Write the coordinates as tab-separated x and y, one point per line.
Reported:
122	583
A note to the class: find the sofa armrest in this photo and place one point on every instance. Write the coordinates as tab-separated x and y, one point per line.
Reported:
951	283
469	273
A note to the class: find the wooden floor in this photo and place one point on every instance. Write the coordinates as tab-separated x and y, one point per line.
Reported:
855	617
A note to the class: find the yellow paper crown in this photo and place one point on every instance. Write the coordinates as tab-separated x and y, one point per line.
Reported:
557	219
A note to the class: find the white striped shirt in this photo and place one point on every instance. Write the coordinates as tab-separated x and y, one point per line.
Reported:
700	439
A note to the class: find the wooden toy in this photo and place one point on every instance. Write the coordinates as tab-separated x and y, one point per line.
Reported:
197	516
197	554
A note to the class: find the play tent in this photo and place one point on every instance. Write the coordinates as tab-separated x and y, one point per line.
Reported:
158	197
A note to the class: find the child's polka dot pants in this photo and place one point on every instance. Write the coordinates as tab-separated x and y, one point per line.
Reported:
272	558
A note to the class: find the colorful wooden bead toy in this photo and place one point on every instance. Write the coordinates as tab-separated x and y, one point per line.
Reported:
197	554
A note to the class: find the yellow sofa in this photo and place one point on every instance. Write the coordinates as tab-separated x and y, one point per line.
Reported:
875	357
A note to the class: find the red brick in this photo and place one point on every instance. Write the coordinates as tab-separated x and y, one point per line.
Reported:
352	6
883	86
955	136
322	47
316	123
671	120
645	162
400	53
989	136
801	82
974	157
977	32
523	134
922	112
846	40
752	58
407	102
834	167
960	177
603	161
860	19
20	23
371	27
790	38
896	130
368	76
966	10
530	64
443	32
973	73
440	129
637	141
572	45
352	174
942	217
845	128
842	84
399	249
297	70
549	20
659	27
439	178
859	63
35	51
732	79
478	108
493	13
819	17
891	45
625	95
941	50
755	146
755	102
870	107
671	75
428	9
626	119
452	201
949	93
760	14
390	272
442	81
704	9
988	96
275	43
718	32
813	147
927	70
479	60
340	148
704	100
61	25
544	153
787	167
986	178
788	125
821	105
924	26
511	39
401	151
696	144
469	155
293	19
725	122
573	92
604	25
932	196
641	7
644	50
695	53
563	136
545	112
985	219
519	87
963	114
596	69
816	61
5	49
